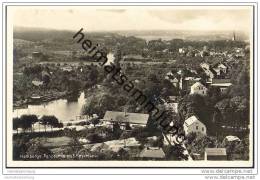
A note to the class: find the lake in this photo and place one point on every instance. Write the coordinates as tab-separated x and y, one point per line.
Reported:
63	109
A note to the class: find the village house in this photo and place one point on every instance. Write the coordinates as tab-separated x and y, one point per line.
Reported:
198	88
187	82
208	71
172	103
222	84
37	82
220	69
194	125
152	153
130	143
172	106
125	118
215	154
175	82
232	138
182	50
173	79
239	52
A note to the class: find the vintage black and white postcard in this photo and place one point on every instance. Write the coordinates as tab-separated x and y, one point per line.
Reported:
129	85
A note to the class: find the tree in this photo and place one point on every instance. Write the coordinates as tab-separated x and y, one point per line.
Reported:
169	89
95	121
175	153
116	130
27	121
99	104
198	144
60	125
241	82
93	75
50	121
73	85
20	146
37	150
199	106
46	78
234	112
16	124
94	138
214	95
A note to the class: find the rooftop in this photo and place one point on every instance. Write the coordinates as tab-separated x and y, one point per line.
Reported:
134	118
152	153
221	84
218	81
190	120
216	151
197	84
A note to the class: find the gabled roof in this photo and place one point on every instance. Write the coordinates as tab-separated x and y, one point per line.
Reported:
216	151
221	82
175	80
197	84
192	79
232	138
152	153
122	117
191	120
222	65
218	81
133	56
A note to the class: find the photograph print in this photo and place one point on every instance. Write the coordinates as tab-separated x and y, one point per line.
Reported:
130	86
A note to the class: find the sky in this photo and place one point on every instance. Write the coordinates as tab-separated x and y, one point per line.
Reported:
111	18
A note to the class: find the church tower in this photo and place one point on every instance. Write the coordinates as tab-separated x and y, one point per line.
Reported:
234	37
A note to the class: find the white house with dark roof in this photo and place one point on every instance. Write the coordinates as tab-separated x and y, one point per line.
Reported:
194	125
123	118
198	88
220	69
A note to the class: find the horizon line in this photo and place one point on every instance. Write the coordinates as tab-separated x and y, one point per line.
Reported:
52	29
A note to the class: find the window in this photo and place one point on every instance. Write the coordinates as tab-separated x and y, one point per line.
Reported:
197	127
202	128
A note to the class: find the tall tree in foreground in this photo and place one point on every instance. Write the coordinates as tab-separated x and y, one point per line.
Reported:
49	121
27	121
16	124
